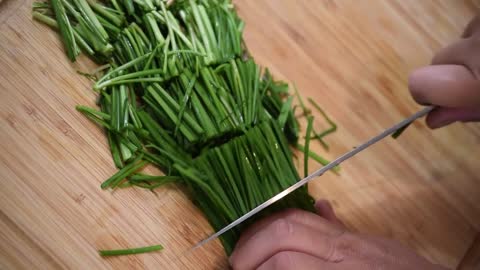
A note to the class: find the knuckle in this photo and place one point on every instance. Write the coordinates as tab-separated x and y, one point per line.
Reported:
344	245
380	247
282	228
472	44
474	41
293	214
471	48
282	260
298	216
349	245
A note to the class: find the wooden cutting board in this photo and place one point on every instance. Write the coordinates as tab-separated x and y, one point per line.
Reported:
353	57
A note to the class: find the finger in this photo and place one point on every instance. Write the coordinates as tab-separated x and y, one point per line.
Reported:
325	210
463	52
290	260
445	85
295	216
455	53
473	28
444	116
283	235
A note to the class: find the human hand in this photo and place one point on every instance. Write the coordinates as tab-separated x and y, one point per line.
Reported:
452	82
296	239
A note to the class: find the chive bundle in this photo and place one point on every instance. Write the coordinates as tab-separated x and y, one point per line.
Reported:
179	91
232	179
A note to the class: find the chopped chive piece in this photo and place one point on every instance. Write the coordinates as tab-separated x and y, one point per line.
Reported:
66	29
282	118
306	111
333	126
130	251
317	158
399	132
127	170
307	145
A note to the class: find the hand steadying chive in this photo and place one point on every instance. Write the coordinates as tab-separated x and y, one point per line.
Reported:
321	241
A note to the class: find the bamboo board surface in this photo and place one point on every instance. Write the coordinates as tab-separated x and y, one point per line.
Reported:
352	57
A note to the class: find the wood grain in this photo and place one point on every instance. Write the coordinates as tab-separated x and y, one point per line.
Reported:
352	57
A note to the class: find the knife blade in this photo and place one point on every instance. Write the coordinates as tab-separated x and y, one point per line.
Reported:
317	173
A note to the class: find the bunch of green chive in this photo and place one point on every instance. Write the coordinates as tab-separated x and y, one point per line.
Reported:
179	91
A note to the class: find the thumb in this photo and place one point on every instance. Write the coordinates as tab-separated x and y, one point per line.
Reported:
451	86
